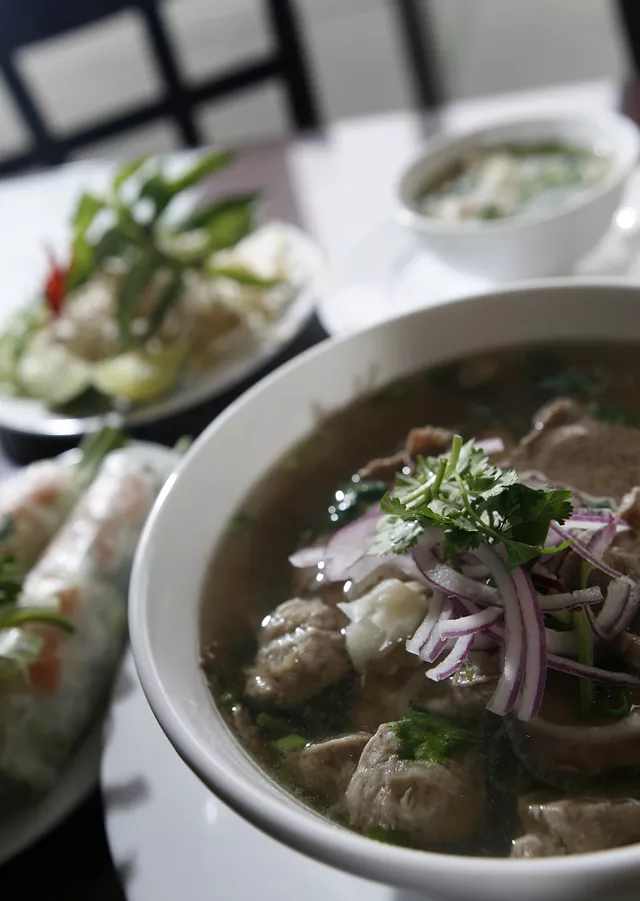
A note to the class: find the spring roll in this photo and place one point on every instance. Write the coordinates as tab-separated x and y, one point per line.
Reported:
36	500
83	576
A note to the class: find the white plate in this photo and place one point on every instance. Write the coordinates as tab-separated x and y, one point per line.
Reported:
32	416
78	778
33	821
390	272
171	838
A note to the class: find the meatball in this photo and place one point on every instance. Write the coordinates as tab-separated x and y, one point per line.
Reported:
301	652
434	804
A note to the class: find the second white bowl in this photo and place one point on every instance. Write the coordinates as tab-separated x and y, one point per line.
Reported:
544	243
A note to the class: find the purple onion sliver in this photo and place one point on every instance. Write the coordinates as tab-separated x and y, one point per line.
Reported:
535	669
614	605
453	661
598	544
470	625
432	649
595	628
508	688
349	544
629	612
307	556
424	631
583	552
451	582
567	600
573	668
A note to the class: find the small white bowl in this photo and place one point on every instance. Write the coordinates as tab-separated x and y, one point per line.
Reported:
537	244
238	449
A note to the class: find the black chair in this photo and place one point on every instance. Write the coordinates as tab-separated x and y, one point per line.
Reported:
416	31
26	22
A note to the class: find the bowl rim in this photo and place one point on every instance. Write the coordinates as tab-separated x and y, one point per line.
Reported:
296	825
622	130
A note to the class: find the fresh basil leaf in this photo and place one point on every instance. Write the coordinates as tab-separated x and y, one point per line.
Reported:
206	213
167	299
206	165
124	173
233	221
131	287
244	277
88	207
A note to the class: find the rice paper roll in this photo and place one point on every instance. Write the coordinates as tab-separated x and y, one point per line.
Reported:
35	501
83	575
33	505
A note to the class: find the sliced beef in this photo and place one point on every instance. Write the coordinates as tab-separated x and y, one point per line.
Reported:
385	697
599	458
384	468
428	441
434	804
301	651
325	769
575	825
534	845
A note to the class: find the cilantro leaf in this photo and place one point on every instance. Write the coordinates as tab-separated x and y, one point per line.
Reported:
427	738
472	501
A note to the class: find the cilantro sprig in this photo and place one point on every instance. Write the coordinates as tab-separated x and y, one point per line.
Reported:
472	501
427	738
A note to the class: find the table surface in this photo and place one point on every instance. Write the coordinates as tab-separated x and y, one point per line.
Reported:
334	184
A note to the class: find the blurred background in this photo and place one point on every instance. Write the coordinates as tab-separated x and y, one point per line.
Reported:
76	65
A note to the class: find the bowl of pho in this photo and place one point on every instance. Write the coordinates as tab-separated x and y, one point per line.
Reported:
407	641
520	198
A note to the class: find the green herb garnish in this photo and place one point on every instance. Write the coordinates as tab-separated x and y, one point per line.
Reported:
388	836
131	230
289	743
427	738
473	501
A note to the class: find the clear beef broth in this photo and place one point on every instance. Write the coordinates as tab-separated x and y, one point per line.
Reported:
486	395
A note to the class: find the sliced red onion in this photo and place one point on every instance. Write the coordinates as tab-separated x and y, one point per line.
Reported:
566	601
629	612
307	556
453	661
590	672
535	668
510	681
436	645
618	611
583	552
591	521
348	545
446	579
572	667
600	541
595	628
470	625
614	605
424	631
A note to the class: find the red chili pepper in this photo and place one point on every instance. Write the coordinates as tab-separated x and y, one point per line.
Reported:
55	284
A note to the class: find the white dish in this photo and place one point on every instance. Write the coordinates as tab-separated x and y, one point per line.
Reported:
79	777
175	548
171	838
389	272
33	821
32	416
541	243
